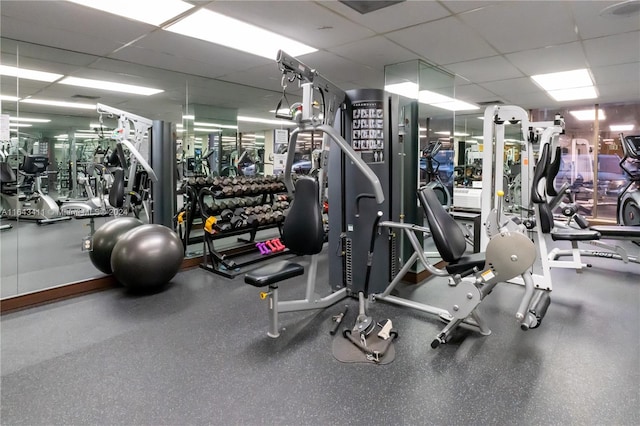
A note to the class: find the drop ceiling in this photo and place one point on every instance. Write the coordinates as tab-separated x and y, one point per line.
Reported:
492	47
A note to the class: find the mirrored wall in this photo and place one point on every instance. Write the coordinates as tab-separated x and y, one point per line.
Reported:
55	150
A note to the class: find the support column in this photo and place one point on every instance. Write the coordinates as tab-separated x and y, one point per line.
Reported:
163	162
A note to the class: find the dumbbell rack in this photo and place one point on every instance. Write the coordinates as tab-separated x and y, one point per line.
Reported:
240	206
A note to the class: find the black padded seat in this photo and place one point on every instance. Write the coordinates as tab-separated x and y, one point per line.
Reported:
467	263
575	235
273	273
614	231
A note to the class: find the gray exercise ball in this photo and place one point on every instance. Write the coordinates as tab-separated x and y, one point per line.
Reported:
106	237
147	257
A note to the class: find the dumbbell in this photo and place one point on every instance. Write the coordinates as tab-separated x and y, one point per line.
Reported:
209	180
261	219
279	216
248	211
225	182
227	191
237	222
252	221
224	227
239	211
226	215
268	216
234	181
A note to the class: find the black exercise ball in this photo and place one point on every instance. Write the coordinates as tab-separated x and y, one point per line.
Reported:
106	237
147	257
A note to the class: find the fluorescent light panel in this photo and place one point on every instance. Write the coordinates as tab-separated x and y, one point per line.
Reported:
408	89
9	98
154	12
30	120
567	85
621	127
188	117
563	80
219	29
222	126
573	94
265	121
61	104
111	86
588	115
20	125
29	74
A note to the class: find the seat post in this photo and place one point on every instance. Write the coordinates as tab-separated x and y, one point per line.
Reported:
311	278
273	311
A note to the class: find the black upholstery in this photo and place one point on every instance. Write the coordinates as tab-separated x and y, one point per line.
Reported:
446	233
538	174
552	172
575	235
302	230
467	263
7	175
273	273
116	193
615	231
34	164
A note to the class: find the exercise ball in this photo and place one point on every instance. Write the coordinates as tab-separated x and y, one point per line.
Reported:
106	237
147	257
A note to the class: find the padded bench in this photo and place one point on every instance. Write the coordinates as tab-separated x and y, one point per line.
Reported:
618	232
575	235
273	273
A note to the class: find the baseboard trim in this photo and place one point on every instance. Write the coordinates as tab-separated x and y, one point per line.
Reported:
67	291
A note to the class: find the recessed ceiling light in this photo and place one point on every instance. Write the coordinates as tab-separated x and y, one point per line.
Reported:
588	114
29	74
567	85
563	80
154	12
111	86
59	103
219	29
30	120
576	93
621	127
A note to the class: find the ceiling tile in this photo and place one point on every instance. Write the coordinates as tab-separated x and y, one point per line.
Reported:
375	52
443	42
486	69
175	52
615	49
338	69
391	18
564	57
460	6
266	77
307	22
512	86
591	24
474	93
531	100
619	92
521	25
69	26
617	74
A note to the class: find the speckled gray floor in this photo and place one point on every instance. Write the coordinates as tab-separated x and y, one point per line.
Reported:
197	353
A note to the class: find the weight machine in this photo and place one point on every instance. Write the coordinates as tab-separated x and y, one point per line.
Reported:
130	193
357	226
